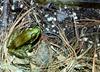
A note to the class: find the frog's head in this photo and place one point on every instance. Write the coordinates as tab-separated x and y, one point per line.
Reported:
36	30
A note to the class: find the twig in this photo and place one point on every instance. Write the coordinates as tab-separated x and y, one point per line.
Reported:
94	59
5	22
76	31
65	40
88	20
5	13
83	53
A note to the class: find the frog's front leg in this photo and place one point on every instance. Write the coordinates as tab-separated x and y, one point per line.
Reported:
19	53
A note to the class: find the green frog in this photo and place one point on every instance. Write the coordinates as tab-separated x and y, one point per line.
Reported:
24	42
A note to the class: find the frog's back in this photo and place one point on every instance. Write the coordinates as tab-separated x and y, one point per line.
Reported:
24	37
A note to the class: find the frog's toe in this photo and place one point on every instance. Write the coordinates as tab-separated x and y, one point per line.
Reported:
21	55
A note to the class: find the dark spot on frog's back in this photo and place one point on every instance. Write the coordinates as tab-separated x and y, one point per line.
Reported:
11	46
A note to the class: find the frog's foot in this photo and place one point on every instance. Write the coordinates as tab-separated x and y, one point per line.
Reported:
19	53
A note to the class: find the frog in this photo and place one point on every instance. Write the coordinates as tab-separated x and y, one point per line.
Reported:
24	42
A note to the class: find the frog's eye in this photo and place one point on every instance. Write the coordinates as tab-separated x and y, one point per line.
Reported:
36	30
30	28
